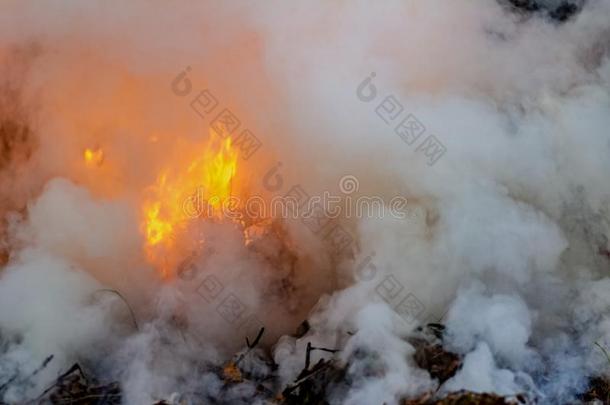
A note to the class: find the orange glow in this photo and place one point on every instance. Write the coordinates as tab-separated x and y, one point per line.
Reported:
93	157
210	172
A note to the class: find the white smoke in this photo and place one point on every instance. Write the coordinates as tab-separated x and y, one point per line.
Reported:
509	250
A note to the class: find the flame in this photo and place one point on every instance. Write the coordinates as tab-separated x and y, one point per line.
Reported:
93	157
211	173
216	171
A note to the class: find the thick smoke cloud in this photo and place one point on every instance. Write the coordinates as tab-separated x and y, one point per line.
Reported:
509	249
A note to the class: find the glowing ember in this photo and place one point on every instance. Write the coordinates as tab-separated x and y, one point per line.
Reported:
93	157
212	171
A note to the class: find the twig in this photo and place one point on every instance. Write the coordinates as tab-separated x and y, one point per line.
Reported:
258	338
603	349
322	366
310	349
307	356
9	382
251	346
326	350
75	367
90	396
44	364
133	316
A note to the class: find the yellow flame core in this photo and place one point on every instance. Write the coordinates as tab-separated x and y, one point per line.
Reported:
93	157
210	173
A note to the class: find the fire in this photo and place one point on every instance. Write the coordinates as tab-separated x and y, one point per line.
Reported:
93	157
218	170
210	173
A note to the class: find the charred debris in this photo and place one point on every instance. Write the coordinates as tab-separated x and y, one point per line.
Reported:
315	385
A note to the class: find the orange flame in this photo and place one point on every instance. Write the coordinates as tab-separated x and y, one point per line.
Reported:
93	157
212	172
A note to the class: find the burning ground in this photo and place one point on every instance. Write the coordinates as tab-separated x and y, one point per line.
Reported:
142	143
